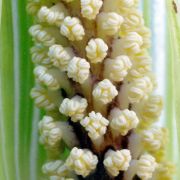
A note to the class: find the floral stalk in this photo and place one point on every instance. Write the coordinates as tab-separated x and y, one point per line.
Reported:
92	66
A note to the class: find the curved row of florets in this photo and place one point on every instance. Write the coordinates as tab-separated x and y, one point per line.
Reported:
115	78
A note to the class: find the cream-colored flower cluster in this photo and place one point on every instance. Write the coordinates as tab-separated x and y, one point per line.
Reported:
123	121
95	124
105	91
50	134
94	80
146	166
75	108
82	161
116	161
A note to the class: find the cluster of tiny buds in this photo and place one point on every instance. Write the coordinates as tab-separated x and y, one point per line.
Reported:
146	166
74	108
116	161
121	121
52	16
95	124
82	161
41	99
51	135
90	8
110	60
72	29
140	89
43	76
154	138
105	91
117	69
96	50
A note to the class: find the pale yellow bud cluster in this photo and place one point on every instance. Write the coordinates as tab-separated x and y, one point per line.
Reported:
78	70
55	168
151	110
96	50
117	69
164	171
146	166
72	29
75	107
90	8
42	99
123	120
41	35
95	124
82	161
109	23
60	56
52	16
39	55
116	161
154	138
43	76
132	43
50	134
145	33
140	89
105	91
141	66
132	21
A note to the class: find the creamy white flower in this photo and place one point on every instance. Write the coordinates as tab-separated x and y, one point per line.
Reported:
50	134
116	161
42	99
120	6
105	91
132	21
132	43
96	50
151	110
40	35
82	161
78	70
117	69
39	55
154	138
60	56
55	168
75	107
95	124
140	89
90	8
110	22
72	29
165	171
145	33
141	66
43	76
52	16
146	166
123	120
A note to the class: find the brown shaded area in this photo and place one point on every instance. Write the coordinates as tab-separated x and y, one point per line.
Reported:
175	6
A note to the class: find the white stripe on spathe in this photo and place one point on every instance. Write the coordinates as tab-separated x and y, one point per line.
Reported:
158	25
16	50
34	144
